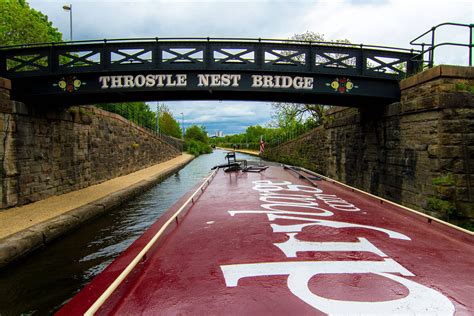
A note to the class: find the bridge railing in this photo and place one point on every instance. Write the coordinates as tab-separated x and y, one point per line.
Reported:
429	48
207	54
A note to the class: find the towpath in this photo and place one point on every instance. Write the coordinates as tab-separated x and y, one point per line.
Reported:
25	228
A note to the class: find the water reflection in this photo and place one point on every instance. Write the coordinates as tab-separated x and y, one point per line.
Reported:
44	281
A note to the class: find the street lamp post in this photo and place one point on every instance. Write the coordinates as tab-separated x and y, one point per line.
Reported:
158	118
69	8
182	123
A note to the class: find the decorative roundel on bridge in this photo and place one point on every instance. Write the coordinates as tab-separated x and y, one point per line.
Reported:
342	85
69	84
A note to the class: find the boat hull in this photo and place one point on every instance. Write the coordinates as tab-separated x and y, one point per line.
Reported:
274	243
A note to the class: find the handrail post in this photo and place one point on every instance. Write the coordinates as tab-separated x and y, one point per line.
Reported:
259	55
422	56
208	55
310	58
361	62
105	56
157	55
53	59
470	44
432	47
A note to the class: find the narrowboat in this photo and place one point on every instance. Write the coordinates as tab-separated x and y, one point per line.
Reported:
281	240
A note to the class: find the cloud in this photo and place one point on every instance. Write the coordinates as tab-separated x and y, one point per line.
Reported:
392	23
228	116
389	22
123	19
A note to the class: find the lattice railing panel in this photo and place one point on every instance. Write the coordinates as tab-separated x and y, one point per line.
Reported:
203	54
285	57
386	65
335	60
22	63
183	55
234	56
75	58
131	56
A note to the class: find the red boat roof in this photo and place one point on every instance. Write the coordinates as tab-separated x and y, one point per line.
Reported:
272	243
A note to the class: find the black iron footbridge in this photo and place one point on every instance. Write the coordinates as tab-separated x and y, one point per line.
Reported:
206	69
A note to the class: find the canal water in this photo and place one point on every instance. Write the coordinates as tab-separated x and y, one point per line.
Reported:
42	282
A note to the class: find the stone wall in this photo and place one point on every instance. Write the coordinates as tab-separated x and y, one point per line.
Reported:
418	152
309	150
49	151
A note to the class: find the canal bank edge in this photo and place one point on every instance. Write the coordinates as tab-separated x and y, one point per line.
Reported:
24	241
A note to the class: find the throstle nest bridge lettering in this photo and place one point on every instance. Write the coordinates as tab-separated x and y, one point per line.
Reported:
204	80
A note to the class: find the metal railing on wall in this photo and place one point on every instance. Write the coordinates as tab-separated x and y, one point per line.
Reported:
430	47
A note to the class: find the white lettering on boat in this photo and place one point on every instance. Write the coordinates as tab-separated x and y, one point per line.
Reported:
337	203
281	203
420	300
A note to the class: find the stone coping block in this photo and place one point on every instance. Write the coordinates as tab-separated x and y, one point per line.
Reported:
446	71
5	83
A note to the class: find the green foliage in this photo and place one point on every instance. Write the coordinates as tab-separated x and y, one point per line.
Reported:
20	24
198	133
168	124
440	206
442	202
461	86
196	148
445	180
196	141
253	133
468	226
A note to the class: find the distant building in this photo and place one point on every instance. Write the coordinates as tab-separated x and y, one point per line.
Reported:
219	134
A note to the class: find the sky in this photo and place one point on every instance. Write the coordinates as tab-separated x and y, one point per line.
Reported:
383	22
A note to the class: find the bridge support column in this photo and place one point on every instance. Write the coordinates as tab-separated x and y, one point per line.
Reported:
5	87
8	175
418	152
445	146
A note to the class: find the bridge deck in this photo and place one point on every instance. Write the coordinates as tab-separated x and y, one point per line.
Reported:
270	243
267	70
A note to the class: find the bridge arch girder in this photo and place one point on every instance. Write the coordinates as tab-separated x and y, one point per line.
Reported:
206	69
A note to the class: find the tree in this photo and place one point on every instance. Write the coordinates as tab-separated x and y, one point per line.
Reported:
198	133
196	141
253	133
284	113
20	24
168	124
316	114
